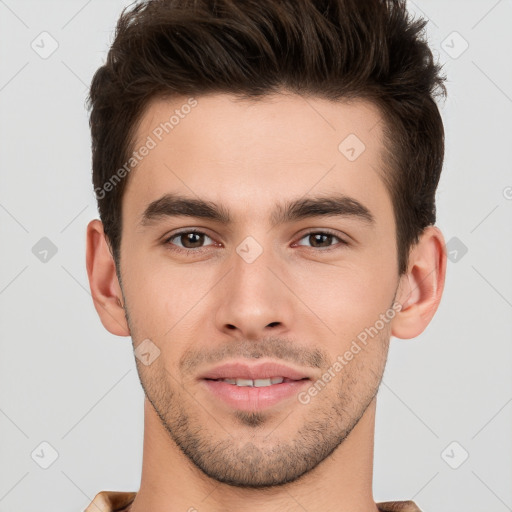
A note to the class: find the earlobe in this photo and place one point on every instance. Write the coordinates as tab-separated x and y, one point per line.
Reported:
421	288
105	289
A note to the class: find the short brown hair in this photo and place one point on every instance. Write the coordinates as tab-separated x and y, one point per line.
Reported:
331	49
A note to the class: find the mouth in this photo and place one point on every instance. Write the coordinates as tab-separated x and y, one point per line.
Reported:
249	395
256	387
257	383
243	373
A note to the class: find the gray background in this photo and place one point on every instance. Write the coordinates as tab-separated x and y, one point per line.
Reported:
64	380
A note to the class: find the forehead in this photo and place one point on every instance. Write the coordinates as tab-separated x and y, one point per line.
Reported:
245	152
215	121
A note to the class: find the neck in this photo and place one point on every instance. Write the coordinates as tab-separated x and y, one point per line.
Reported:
342	482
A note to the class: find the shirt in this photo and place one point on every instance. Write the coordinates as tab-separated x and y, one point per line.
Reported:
109	501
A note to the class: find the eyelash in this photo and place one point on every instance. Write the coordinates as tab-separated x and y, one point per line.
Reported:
191	252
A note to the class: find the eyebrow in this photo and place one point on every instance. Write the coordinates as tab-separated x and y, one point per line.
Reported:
339	205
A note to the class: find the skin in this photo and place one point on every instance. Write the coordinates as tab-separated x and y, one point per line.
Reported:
296	303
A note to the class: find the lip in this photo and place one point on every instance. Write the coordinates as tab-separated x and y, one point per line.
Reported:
264	370
247	398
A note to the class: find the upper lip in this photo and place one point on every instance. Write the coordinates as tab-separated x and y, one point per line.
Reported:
242	370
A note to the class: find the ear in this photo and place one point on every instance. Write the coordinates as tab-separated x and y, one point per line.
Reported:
105	289
421	287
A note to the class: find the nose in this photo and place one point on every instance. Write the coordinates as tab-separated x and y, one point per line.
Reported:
254	300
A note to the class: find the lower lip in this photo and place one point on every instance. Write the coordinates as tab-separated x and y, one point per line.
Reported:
248	398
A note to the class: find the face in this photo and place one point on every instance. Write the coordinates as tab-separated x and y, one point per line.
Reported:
287	256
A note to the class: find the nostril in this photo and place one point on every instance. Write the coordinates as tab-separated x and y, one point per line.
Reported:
273	324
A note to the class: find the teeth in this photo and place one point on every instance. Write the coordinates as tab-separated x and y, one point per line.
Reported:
260	383
244	382
257	383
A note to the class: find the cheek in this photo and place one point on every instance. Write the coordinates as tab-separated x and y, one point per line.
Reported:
348	298
164	296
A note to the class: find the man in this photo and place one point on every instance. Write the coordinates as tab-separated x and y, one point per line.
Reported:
266	175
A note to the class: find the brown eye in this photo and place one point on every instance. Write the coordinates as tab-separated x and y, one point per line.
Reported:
188	239
322	240
191	240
